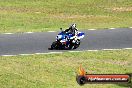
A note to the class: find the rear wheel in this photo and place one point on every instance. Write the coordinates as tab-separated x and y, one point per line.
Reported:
77	43
70	46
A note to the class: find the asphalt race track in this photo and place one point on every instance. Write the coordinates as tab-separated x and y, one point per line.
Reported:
29	43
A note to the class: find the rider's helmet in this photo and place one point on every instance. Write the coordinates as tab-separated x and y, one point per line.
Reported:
73	26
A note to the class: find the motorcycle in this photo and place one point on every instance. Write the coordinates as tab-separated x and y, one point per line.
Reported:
66	41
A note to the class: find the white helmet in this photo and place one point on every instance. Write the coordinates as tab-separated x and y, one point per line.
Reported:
73	26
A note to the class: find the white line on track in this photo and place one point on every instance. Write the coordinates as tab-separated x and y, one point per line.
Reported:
54	52
75	51
29	32
112	28
111	49
54	31
40	53
8	55
8	33
127	48
51	31
49	53
63	52
91	29
26	54
91	50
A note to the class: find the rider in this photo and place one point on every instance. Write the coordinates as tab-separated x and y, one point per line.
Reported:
72	29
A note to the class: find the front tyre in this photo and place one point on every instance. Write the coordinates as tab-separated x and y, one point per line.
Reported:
54	45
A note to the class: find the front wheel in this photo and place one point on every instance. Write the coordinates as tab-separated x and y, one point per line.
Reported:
54	45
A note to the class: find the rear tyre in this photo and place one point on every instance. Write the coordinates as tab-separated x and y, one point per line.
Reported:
71	45
77	43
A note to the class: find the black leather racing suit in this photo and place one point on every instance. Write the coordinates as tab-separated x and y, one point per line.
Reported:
71	30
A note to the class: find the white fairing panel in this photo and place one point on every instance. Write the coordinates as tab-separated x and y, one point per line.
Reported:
80	37
71	37
59	36
63	40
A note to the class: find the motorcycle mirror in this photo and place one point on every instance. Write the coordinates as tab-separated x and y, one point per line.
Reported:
61	29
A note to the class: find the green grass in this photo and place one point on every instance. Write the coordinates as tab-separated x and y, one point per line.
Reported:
59	70
45	15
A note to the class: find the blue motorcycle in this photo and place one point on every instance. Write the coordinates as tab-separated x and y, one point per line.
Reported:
66	40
